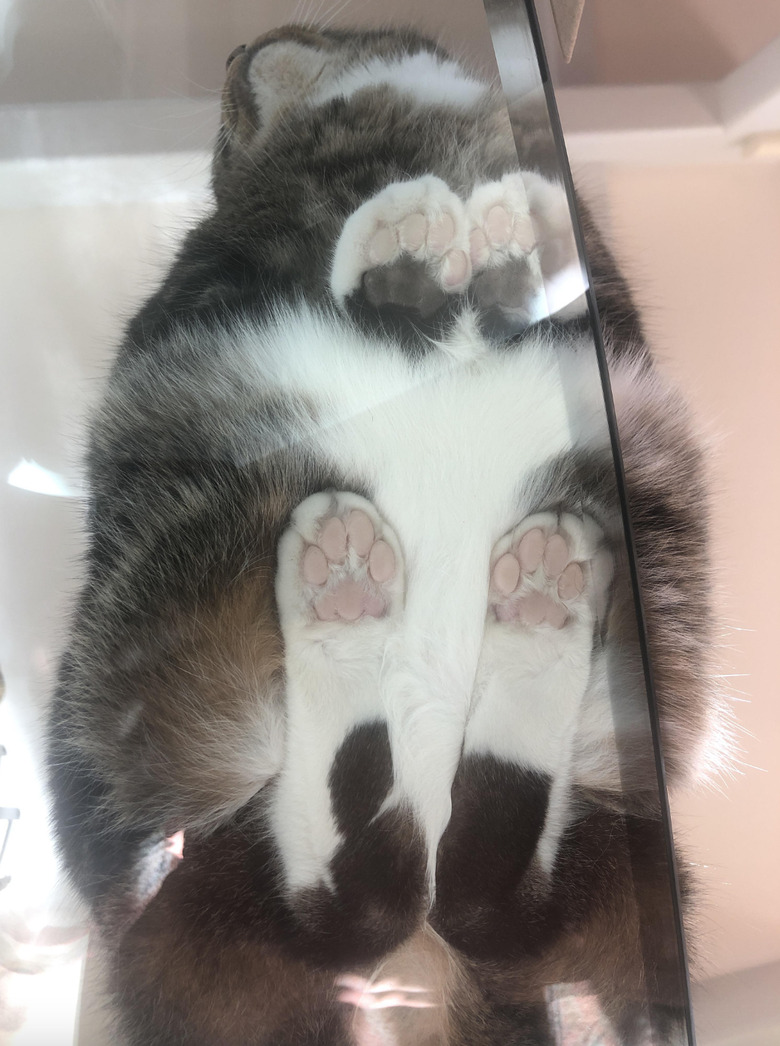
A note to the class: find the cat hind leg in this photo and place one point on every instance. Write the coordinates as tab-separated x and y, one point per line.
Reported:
549	584
352	868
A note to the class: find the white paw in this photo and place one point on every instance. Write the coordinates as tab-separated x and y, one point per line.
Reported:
522	224
338	562
340	590
500	223
421	219
548	571
549	583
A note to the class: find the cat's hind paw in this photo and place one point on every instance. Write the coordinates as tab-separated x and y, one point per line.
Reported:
339	562
548	570
408	246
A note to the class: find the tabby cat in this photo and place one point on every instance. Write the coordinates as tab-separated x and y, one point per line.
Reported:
351	607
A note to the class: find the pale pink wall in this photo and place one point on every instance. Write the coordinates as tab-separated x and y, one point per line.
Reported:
667	41
703	245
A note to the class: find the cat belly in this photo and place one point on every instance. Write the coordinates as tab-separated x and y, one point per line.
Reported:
447	448
451	482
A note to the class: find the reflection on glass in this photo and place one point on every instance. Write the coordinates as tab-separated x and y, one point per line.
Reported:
29	475
352	740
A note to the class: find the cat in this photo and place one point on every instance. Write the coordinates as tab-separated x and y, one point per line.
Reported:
354	594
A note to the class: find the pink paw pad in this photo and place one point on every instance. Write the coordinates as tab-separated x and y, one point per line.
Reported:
535	581
498	226
501	225
347	567
433	238
455	269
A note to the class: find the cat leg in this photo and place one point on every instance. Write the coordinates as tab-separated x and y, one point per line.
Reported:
522	250
352	870
408	246
167	732
549	580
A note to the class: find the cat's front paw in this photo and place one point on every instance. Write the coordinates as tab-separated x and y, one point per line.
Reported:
522	250
407	247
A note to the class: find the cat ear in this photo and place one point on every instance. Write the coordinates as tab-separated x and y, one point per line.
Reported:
281	74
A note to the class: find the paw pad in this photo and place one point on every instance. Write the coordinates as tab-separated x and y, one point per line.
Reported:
500	221
421	222
346	567
537	579
432	240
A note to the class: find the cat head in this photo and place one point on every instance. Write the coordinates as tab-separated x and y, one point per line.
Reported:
295	67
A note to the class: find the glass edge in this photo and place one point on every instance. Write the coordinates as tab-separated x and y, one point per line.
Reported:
595	326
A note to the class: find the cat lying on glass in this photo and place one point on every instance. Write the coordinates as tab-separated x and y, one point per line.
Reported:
351	607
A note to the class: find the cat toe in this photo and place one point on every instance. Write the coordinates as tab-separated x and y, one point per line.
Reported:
340	562
542	572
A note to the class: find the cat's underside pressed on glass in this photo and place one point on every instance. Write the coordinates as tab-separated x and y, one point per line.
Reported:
349	604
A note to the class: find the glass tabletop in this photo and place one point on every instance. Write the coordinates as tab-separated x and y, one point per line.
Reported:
462	833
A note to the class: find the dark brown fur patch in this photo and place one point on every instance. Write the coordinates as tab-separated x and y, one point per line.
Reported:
204	964
498	813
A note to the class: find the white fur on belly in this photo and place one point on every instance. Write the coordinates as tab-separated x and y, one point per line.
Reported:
444	445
